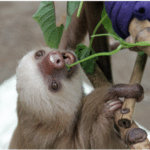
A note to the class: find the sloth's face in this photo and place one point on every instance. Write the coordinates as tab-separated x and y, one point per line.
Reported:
44	84
50	65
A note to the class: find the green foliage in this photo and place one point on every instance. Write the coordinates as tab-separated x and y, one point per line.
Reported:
45	16
71	7
79	9
83	52
86	55
108	25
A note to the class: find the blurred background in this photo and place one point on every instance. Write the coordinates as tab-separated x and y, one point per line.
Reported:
20	33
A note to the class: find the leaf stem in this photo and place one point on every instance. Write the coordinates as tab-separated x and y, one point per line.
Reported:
96	55
97	26
79	9
123	43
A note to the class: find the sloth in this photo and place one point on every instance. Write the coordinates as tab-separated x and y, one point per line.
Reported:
52	111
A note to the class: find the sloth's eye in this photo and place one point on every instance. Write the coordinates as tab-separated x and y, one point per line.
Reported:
39	53
54	85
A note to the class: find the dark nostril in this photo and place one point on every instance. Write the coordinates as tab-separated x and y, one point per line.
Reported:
64	57
58	61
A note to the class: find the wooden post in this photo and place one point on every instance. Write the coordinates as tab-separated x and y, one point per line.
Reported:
135	137
125	119
140	31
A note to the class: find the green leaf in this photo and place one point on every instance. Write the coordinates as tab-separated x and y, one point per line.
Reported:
45	16
89	65
79	50
108	26
71	7
83	52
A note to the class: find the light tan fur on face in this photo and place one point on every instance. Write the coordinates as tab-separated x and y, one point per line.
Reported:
31	86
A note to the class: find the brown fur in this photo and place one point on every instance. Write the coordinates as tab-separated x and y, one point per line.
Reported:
91	130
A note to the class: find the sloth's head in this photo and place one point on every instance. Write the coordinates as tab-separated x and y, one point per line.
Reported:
43	78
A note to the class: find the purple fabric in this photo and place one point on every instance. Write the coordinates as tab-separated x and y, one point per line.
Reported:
122	12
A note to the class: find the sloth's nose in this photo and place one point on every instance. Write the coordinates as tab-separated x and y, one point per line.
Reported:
52	62
56	59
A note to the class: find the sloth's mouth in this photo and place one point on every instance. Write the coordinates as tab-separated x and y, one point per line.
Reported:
69	58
